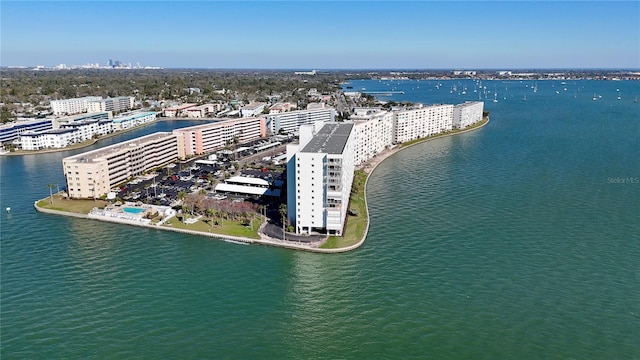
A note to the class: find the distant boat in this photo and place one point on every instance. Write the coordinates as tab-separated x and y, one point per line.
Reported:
635	99
524	98
495	97
594	97
619	97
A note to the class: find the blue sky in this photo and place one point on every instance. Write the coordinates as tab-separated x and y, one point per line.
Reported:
323	34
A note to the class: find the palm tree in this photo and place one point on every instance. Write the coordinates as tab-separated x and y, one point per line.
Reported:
51	186
283	214
182	195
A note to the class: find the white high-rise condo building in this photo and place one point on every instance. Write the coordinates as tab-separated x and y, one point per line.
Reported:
422	122
374	132
290	121
319	177
467	113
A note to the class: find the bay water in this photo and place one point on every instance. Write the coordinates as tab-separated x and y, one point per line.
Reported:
518	240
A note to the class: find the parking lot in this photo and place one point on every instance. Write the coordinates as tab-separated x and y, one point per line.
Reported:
169	185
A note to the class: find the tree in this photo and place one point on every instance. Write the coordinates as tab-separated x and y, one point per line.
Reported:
282	210
6	115
51	186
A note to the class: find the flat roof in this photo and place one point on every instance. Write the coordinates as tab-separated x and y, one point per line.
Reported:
250	190
102	152
331	139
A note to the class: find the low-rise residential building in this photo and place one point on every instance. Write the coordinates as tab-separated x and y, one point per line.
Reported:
281	107
177	111
252	109
117	104
11	132
55	138
126	121
201	139
421	122
203	110
93	173
72	106
319	177
67	131
289	122
467	113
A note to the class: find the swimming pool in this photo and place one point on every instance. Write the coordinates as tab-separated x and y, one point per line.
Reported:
131	210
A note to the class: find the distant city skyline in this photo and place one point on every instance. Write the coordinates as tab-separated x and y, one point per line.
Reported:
323	34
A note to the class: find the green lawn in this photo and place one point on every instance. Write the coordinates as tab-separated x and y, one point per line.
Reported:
71	205
357	223
232	228
476	125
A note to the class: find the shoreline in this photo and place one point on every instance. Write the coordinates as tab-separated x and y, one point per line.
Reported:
94	141
368	167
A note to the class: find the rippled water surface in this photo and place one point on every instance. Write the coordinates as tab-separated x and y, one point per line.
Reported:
519	240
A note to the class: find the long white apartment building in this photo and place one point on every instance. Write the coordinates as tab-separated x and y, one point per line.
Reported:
421	122
467	113
93	173
11	132
201	139
252	109
117	104
319	177
290	121
126	121
67	131
373	132
72	106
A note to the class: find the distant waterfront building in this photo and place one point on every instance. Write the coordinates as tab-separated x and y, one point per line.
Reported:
176	111
373	132
201	139
55	138
72	106
290	121
281	107
117	104
203	110
67	131
12	131
319	177
93	173
467	113
422	122
252	109
130	120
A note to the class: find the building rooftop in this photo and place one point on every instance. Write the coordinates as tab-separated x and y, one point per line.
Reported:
103	152
331	139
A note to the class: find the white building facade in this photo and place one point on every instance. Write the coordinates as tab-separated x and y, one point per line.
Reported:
467	113
126	121
373	132
72	106
11	132
289	122
422	122
252	109
117	104
319	177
